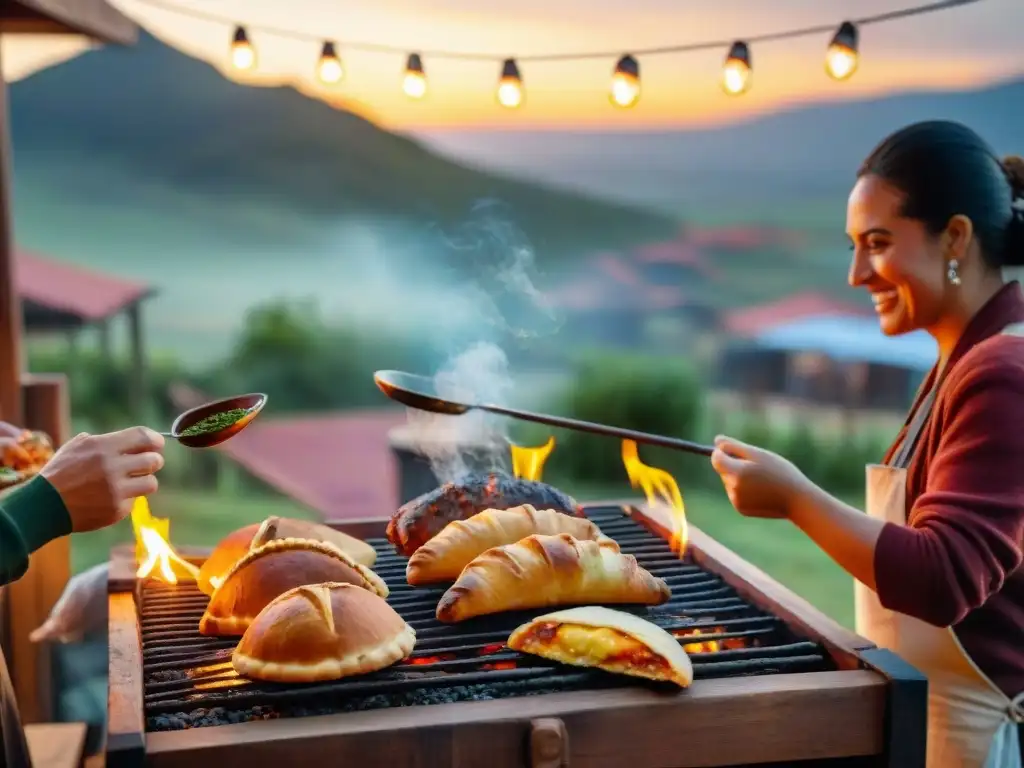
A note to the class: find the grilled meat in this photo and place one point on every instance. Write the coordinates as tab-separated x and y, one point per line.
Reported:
419	520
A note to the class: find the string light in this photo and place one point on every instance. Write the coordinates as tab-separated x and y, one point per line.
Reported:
243	55
415	81
736	74
625	90
841	58
510	86
329	69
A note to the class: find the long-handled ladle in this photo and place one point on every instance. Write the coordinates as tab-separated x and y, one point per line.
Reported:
419	392
252	404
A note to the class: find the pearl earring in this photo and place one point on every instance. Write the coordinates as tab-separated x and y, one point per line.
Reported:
953	272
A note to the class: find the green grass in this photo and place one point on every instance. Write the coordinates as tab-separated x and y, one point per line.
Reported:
777	547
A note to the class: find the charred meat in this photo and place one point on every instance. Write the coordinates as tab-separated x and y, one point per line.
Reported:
419	520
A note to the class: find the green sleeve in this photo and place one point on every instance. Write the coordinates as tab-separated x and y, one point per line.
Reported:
30	517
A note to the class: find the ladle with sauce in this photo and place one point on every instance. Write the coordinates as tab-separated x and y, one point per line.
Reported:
213	423
419	392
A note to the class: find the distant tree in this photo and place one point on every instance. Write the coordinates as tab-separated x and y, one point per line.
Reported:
303	363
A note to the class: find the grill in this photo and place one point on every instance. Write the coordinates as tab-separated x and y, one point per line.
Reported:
186	688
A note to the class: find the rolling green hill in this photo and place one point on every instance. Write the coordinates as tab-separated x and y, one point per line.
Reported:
113	125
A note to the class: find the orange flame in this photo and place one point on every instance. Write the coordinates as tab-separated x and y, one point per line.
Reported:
660	489
156	558
528	463
705	646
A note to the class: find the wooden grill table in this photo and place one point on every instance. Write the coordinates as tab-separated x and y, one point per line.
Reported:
796	688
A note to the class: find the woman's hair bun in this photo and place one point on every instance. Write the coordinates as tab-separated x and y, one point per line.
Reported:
1013	167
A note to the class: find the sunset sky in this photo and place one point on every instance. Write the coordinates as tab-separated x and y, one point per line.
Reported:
974	44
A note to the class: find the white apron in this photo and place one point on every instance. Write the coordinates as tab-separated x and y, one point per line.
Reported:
971	722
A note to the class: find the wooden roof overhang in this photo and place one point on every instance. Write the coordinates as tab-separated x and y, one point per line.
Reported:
90	18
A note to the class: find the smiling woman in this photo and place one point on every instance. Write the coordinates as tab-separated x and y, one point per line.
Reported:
932	221
933	218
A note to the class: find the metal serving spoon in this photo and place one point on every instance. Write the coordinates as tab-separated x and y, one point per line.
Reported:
419	392
253	403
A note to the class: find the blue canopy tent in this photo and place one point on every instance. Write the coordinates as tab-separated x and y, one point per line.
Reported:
852	339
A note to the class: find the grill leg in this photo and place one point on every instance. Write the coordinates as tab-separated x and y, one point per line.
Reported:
906	721
549	743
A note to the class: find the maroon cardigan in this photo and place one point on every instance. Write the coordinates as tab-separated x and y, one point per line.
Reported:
958	560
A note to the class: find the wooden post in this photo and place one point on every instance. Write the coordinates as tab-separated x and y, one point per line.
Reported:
10	302
106	344
30	598
138	362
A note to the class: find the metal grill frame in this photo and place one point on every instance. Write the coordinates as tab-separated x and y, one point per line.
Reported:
881	700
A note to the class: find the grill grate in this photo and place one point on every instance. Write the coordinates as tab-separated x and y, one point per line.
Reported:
188	679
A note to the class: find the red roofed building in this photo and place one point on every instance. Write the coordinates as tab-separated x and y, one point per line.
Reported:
338	464
61	295
611	299
744	238
58	297
674	261
749	321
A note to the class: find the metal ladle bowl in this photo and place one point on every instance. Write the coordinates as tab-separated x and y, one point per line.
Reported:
253	403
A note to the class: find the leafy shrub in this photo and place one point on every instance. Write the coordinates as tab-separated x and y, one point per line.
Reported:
303	363
635	392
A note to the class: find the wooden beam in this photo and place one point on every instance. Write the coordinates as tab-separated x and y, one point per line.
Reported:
92	18
31	598
106	343
10	302
137	372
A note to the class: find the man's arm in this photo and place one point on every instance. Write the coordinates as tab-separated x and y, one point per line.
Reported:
30	517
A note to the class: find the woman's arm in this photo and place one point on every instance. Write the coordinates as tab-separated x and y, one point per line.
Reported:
30	517
966	530
845	534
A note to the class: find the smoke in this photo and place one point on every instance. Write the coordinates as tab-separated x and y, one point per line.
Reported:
457	445
501	267
499	289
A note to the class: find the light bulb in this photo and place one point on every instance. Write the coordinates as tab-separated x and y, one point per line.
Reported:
625	90
329	69
736	73
510	87
243	55
841	58
415	81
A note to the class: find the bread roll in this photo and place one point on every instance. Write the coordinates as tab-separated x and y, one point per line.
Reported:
272	570
290	528
614	641
322	632
236	544
543	571
444	556
228	551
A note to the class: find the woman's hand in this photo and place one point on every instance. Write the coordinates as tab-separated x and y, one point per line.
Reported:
759	483
100	476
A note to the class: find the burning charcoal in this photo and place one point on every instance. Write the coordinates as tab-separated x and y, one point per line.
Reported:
167	676
419	520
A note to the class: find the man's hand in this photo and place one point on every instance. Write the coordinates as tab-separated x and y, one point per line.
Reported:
81	610
99	476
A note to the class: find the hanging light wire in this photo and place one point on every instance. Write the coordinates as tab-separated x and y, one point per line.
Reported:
788	34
